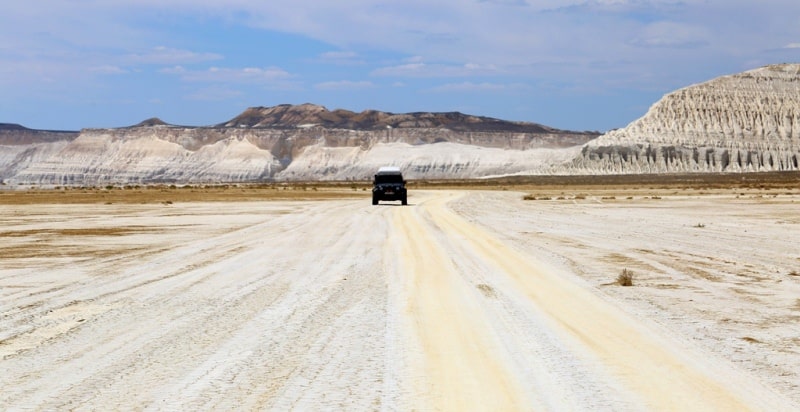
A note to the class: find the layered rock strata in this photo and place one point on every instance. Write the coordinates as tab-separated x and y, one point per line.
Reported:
739	123
20	147
304	142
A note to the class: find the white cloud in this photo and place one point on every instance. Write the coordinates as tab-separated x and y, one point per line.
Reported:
671	35
420	69
173	70
247	75
107	69
476	87
167	55
341	58
506	2
344	85
336	55
792	46
405	70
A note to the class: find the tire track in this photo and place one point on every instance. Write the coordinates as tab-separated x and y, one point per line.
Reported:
457	367
664	377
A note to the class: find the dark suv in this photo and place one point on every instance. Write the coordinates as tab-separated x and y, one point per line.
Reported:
389	185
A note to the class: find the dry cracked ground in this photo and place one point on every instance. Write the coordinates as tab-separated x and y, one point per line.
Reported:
463	300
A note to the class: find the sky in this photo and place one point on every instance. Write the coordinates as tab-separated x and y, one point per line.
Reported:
572	64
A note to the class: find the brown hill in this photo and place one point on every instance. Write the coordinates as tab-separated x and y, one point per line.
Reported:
306	115
12	134
153	121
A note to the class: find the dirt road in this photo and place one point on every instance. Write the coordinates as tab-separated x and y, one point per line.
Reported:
325	305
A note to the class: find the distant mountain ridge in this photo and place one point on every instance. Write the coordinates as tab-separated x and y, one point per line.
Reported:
15	134
288	142
307	115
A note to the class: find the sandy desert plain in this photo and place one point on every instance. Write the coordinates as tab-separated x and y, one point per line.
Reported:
483	295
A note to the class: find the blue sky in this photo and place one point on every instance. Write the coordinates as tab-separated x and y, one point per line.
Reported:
571	64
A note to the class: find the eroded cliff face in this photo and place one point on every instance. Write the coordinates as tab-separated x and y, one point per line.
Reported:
21	147
283	145
739	123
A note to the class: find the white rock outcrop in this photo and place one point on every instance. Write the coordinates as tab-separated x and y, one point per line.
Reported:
154	152
443	160
102	157
739	123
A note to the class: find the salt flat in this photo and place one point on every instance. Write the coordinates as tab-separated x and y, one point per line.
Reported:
463	300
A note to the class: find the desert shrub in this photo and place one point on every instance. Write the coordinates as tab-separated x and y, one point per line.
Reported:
625	278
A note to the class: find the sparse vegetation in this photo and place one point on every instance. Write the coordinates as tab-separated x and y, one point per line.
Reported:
533	197
536	187
625	278
487	290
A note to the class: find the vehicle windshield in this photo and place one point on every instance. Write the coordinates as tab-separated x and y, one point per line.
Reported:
389	178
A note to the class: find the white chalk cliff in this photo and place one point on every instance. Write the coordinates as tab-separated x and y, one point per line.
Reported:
744	122
303	142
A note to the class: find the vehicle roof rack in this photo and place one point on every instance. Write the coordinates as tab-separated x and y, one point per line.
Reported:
389	169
